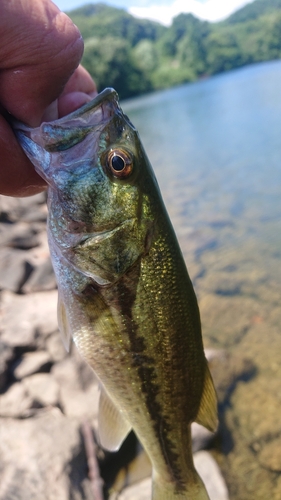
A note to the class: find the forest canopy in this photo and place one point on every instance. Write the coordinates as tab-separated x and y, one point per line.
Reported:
137	55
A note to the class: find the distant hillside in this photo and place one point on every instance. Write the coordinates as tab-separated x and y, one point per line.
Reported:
254	10
101	20
137	55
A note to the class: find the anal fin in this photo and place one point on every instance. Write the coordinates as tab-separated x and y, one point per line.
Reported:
113	428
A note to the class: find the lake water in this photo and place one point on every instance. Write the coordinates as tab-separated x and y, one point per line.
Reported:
215	146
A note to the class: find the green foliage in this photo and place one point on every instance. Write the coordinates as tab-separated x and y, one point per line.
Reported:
100	20
110	62
136	55
254	10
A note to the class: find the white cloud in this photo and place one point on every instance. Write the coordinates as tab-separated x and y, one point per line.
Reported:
210	10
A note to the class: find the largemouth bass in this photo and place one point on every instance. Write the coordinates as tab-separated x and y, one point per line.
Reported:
124	292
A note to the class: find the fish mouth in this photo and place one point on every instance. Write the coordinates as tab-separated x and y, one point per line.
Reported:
108	95
63	133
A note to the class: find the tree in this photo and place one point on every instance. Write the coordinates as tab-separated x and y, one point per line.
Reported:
110	63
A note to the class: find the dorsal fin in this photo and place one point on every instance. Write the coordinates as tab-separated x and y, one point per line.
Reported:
113	428
207	414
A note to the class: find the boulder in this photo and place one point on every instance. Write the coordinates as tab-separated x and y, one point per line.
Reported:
15	402
42	388
6	356
43	459
15	268
28	319
32	362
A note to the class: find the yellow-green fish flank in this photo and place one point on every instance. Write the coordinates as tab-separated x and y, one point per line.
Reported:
124	292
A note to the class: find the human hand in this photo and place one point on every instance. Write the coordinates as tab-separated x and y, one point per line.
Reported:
40	49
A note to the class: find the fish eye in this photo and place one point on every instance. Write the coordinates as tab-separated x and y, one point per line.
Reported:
120	163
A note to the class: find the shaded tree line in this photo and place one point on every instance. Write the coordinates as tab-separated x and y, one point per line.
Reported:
136	55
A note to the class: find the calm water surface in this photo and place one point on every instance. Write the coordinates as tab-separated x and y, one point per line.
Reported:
221	139
215	146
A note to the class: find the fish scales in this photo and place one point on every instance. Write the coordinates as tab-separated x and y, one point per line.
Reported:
124	292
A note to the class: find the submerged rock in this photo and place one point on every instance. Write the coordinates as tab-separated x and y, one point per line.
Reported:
270	455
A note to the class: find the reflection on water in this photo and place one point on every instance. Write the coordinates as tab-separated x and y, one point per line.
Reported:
215	146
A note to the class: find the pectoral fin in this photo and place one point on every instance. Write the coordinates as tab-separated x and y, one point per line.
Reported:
113	428
63	323
207	414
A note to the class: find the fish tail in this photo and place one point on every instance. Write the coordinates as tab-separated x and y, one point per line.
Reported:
195	490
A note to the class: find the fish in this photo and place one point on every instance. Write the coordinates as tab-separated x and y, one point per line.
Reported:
124	293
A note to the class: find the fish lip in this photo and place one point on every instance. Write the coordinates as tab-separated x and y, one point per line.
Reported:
108	94
62	135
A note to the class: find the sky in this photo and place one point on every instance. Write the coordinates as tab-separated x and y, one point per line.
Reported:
164	10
